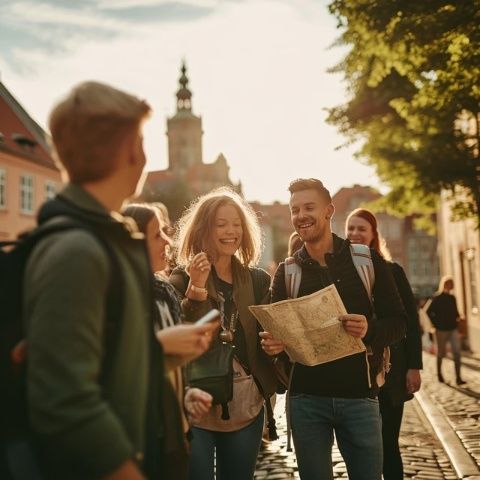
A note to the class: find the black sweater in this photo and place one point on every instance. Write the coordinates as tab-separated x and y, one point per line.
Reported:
406	354
443	312
347	377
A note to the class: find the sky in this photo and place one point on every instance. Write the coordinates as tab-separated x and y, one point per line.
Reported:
257	70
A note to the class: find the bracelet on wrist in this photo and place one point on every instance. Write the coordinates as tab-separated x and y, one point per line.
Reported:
195	289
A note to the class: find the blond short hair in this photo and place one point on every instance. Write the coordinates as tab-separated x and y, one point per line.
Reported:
195	227
89	126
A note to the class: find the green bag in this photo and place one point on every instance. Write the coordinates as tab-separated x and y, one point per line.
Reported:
213	373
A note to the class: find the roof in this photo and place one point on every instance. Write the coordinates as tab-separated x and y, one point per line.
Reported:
20	134
358	194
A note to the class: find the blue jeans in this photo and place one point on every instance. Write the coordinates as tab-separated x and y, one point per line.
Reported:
358	430
235	452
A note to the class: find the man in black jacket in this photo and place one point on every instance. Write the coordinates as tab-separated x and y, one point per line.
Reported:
341	395
443	313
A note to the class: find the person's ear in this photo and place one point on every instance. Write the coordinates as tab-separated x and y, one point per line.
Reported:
329	211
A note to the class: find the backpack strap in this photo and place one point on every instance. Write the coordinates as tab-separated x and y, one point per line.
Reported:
362	259
257	282
293	277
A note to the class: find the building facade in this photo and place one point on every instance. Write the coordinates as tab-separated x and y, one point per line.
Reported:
187	176
415	250
459	251
28	175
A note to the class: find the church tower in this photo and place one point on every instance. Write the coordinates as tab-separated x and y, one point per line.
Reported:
184	131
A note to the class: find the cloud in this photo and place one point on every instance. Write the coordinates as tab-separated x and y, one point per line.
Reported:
257	70
121	4
158	12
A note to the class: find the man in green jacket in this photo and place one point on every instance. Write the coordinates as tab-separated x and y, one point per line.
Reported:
93	407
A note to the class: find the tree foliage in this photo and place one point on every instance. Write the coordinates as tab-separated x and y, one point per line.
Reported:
412	72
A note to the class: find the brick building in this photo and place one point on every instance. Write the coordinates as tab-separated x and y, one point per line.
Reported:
28	175
415	250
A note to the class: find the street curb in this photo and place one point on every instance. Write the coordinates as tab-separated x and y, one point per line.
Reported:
462	462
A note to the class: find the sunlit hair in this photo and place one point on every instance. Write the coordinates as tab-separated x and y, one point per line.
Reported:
378	243
90	126
294	243
142	213
301	184
196	225
443	281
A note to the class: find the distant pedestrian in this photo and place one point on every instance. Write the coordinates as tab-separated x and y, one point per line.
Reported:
443	313
403	378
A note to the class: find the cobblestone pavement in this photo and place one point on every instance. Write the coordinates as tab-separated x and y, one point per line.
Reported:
422	452
459	404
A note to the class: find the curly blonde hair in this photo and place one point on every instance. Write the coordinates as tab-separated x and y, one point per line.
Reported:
194	229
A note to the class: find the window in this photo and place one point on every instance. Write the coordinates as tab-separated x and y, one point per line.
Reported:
3	188
50	189
26	194
470	255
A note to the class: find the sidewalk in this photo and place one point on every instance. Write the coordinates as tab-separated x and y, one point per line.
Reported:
460	405
423	454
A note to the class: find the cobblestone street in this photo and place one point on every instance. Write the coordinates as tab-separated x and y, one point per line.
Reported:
424	455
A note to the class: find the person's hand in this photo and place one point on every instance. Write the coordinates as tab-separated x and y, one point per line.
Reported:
128	470
414	380
197	404
270	345
199	269
18	354
355	325
188	341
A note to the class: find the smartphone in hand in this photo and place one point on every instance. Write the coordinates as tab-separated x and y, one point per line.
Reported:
211	316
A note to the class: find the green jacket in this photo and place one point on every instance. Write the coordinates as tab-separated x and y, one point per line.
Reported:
92	428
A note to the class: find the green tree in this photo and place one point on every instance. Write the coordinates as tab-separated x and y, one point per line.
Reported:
412	71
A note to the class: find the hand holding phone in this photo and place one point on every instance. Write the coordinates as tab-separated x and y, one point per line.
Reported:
211	316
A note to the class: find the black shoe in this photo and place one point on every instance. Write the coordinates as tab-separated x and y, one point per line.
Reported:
460	381
440	378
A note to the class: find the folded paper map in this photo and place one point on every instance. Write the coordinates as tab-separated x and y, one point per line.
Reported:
309	327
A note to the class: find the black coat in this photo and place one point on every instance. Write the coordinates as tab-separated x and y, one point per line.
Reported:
347	377
406	354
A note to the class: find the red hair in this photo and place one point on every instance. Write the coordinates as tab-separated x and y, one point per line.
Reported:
378	242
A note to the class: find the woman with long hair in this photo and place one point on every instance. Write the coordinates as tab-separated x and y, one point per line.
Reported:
218	246
179	342
403	378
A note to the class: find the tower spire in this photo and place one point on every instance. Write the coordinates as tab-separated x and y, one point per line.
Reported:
184	95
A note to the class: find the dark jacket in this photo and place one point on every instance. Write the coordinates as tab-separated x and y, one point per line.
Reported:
91	426
347	377
443	312
406	354
173	424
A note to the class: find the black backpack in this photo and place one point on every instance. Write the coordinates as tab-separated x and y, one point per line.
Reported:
19	458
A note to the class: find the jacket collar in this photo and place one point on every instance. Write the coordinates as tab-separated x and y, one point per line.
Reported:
74	201
302	257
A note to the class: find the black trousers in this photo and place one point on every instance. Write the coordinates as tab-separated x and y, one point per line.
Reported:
391	422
